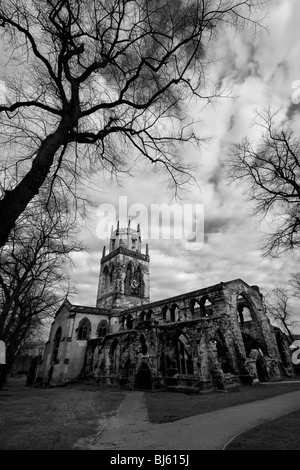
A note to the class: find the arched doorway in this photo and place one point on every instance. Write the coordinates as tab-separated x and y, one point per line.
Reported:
143	377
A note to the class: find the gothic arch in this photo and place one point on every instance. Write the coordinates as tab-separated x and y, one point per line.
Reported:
142	316
245	309
105	277
166	314
149	314
183	353
144	377
102	329
174	313
206	307
123	321
128	276
129	322
140	278
195	306
144	348
112	274
84	329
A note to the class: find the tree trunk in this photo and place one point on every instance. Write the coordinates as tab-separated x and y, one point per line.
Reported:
14	202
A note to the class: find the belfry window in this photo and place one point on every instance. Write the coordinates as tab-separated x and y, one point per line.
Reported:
112	271
128	278
105	278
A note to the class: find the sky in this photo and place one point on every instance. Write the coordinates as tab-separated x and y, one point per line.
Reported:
262	71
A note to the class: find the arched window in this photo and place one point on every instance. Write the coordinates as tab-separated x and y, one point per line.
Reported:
57	339
206	307
140	279
195	307
129	322
84	329
149	315
105	278
112	272
174	313
142	316
183	354
143	345
166	314
244	313
123	320
102	329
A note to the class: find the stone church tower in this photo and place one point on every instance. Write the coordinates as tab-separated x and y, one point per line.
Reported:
124	272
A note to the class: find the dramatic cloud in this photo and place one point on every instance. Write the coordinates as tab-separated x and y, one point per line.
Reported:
260	72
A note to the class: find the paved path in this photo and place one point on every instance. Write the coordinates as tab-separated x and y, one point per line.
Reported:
130	429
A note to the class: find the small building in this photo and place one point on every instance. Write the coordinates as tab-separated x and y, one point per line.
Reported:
211	338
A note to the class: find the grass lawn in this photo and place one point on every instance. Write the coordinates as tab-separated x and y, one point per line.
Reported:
58	418
164	407
53	418
279	434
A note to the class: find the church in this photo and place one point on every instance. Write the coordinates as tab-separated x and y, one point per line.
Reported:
213	338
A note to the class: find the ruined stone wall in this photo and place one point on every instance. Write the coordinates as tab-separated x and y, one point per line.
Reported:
195	340
205	325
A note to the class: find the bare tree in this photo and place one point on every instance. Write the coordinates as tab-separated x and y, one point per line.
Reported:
271	169
295	284
279	308
33	278
93	83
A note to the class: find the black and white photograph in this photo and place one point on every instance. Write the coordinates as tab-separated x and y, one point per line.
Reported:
149	228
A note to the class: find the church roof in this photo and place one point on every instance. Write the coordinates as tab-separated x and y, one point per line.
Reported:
82	309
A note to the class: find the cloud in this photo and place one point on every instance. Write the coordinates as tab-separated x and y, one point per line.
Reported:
259	71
